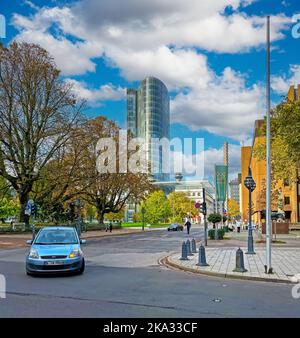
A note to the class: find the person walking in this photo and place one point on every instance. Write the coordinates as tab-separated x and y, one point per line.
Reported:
110	226
238	226
188	225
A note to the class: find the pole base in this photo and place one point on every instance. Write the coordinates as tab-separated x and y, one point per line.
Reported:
202	264
250	253
184	259
270	271
240	270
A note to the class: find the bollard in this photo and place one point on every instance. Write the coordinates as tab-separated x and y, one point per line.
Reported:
188	245
239	265
194	248
184	253
202	257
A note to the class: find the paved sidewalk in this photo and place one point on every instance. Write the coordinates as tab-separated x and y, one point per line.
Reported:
221	260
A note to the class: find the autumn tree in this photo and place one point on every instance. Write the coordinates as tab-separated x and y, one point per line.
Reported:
109	191
285	141
233	208
37	114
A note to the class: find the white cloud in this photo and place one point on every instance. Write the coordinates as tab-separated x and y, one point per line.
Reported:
162	39
212	156
118	27
106	92
225	107
281	84
177	68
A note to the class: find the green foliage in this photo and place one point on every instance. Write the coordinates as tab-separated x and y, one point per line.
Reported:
115	216
9	207
221	233
214	218
157	208
181	206
285	141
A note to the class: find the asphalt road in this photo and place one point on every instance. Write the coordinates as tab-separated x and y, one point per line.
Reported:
123	278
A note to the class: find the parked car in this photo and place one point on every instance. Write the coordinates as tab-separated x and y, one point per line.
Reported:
175	227
55	250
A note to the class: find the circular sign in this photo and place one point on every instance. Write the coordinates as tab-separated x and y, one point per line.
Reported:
197	205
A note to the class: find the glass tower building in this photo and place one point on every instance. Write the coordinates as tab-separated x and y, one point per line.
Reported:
148	117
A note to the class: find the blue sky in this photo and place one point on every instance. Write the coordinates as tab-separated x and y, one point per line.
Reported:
210	54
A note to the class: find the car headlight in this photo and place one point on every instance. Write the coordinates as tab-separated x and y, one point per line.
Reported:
75	253
34	254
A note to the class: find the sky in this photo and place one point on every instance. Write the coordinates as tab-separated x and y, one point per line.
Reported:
210	54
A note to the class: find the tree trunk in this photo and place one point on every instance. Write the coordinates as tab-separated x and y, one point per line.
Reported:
100	217
23	218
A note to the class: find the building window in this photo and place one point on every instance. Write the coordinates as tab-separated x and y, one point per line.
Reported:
287	200
286	182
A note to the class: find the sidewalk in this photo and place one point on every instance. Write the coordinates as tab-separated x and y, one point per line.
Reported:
221	257
15	241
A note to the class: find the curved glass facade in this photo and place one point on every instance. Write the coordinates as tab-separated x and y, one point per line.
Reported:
148	117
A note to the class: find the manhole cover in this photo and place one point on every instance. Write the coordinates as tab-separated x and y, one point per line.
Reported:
217	300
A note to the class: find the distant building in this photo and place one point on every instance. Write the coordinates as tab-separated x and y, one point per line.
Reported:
148	117
234	190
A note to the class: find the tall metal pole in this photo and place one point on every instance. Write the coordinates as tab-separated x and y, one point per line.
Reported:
204	216
268	267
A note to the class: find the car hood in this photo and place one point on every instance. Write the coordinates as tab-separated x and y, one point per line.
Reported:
45	250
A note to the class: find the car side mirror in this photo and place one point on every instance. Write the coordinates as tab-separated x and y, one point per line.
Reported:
82	241
29	242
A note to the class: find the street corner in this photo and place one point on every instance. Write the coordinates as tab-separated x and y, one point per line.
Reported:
236	264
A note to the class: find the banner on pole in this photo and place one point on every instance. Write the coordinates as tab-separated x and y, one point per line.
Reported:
221	176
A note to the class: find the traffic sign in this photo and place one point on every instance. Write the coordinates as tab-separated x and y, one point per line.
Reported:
197	205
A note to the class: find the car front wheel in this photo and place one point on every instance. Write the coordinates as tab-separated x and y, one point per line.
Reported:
81	271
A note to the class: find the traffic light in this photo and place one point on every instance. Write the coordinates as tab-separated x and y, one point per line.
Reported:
203	208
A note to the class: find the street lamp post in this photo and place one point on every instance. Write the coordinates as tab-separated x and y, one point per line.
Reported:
250	185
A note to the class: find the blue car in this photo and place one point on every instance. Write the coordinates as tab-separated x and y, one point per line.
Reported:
55	250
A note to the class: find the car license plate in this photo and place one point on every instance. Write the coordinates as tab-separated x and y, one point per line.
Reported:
54	263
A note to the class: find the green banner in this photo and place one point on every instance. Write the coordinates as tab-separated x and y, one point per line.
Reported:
221	176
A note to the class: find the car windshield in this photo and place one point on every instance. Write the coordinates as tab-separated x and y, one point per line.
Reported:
57	236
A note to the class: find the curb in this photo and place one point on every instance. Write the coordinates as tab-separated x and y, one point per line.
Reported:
167	262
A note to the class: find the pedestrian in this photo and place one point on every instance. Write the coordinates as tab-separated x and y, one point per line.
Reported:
188	226
110	226
238	226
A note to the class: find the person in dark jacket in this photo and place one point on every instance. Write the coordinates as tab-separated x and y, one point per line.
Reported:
188	225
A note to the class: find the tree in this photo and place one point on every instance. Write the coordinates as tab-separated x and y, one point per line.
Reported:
157	208
285	141
61	180
8	207
37	114
181	206
233	208
214	218
109	191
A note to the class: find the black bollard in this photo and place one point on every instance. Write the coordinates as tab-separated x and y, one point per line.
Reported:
194	248
239	265
184	254
188	245
202	257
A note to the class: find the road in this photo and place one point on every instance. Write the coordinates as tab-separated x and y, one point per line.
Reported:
123	278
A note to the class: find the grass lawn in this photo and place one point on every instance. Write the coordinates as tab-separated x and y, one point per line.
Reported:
140	224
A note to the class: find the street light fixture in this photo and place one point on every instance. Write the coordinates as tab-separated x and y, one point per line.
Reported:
250	185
